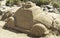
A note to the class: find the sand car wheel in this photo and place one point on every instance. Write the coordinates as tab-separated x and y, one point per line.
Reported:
39	30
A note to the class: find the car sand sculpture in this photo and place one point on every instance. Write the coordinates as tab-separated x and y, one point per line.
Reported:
31	19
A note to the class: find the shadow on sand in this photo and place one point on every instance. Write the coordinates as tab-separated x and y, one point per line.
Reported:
16	31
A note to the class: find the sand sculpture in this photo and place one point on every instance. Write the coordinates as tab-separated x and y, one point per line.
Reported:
31	19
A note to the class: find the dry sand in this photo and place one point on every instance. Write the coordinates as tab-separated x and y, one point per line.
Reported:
9	34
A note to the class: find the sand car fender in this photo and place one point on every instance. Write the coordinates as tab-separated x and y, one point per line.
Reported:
39	30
